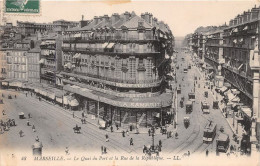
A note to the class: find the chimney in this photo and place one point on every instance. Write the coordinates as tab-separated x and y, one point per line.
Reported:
150	18
146	16
82	17
96	20
231	22
142	16
115	17
126	16
105	18
155	20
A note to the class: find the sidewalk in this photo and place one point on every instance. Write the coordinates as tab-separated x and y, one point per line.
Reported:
94	122
236	128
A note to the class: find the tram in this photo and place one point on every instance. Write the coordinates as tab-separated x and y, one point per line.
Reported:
209	132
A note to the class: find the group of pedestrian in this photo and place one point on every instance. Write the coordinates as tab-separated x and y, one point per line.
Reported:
125	133
103	150
83	121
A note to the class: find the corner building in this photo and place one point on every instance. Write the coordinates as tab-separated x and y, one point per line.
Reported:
115	66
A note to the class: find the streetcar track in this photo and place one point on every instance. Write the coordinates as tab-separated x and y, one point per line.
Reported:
89	132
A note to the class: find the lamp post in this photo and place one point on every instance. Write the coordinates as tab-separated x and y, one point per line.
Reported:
153	131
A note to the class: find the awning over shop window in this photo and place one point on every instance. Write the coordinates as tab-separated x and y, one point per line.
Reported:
77	55
59	100
230	95
5	83
77	35
43	43
42	61
72	79
247	111
223	89
104	45
74	103
50	42
211	73
235	91
110	45
245	28
51	95
68	65
236	99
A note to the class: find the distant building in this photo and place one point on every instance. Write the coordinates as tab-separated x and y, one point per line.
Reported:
3	65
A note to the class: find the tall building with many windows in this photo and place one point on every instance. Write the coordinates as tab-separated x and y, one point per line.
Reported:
116	65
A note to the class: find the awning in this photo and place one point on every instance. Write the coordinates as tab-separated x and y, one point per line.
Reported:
51	95
59	100
42	61
240	66
104	45
77	35
247	111
68	65
235	91
236	99
210	73
230	95
245	28
110	45
50	42
5	83
74	103
72	79
43	43
157	115
223	89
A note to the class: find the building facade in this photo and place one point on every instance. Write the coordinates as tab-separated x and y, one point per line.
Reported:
116	65
3	65
33	58
51	58
232	53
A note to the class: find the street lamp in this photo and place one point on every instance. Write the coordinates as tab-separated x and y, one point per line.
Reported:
153	131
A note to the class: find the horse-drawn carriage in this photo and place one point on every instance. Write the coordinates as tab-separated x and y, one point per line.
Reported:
191	96
206	94
181	102
215	105
179	90
186	121
77	129
1	101
9	96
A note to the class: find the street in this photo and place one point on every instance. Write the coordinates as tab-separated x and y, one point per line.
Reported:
54	126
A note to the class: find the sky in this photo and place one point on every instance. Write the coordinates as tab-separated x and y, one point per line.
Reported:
183	17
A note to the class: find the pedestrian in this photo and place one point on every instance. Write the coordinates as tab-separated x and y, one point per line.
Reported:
176	135
82	114
102	149
131	142
14	96
207	152
111	128
31	93
160	143
33	128
82	121
105	150
26	94
117	127
21	133
37	139
67	151
149	132
188	153
29	115
144	149
123	133
73	114
127	132
28	122
107	138
3	112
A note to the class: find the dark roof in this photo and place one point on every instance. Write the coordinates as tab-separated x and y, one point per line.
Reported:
133	23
